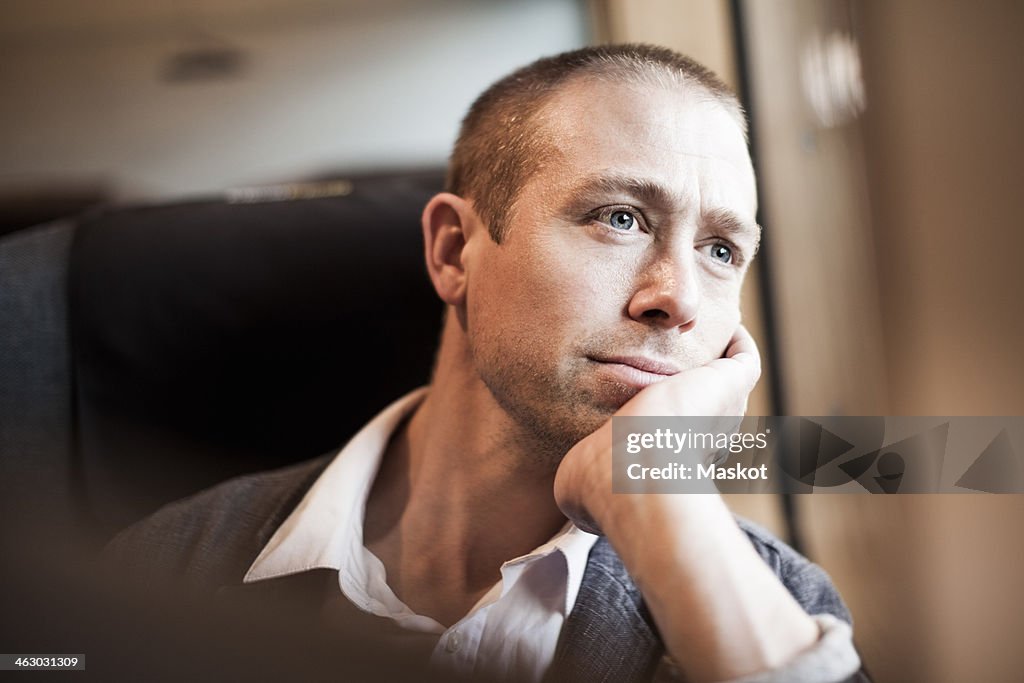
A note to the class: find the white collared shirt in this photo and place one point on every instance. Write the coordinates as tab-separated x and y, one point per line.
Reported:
511	632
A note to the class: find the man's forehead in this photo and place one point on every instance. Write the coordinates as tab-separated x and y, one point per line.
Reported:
652	140
588	118
685	110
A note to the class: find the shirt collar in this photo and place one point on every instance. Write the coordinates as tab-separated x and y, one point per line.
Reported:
574	544
325	531
323	527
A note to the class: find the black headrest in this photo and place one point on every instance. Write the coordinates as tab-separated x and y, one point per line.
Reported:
215	338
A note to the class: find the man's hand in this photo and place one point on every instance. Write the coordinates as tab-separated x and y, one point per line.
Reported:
721	611
721	387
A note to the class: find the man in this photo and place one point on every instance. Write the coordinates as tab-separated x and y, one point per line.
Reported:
590	248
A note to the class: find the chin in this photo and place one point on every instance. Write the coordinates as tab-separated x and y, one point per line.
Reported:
602	404
607	395
613	398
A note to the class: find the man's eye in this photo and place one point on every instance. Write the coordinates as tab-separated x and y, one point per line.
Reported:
720	252
622	220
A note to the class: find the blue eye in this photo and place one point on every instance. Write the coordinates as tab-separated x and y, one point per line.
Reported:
721	252
622	220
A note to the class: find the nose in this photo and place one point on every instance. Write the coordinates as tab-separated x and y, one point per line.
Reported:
668	293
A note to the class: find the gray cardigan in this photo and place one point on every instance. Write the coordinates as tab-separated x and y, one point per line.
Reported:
210	540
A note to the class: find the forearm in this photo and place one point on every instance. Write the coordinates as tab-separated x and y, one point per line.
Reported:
721	611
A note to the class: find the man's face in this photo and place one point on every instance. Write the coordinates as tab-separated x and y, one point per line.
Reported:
623	259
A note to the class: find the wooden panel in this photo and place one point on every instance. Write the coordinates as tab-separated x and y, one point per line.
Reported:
814	199
944	150
830	337
931	580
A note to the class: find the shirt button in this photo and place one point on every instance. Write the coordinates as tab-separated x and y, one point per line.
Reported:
453	642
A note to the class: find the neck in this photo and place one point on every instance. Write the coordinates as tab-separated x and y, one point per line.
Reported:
458	492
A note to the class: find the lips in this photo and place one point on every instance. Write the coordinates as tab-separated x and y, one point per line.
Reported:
643	364
635	371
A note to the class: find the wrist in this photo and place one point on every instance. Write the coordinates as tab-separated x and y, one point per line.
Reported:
689	527
583	483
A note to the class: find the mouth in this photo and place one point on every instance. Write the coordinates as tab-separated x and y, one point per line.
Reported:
635	371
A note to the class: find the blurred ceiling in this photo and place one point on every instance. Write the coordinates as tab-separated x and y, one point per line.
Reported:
48	23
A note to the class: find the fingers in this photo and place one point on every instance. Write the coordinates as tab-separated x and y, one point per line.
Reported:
741	342
744	356
720	387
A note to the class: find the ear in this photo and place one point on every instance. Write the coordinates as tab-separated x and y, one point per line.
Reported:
448	221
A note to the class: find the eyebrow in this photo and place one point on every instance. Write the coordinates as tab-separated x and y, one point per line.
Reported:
647	191
655	195
731	225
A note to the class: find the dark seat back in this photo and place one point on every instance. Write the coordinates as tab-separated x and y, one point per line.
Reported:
214	338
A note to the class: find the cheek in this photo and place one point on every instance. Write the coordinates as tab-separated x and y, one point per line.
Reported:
571	284
534	310
518	306
583	273
720	316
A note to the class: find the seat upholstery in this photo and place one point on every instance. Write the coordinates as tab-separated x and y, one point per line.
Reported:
211	338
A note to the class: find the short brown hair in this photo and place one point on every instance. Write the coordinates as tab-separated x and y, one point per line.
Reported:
500	143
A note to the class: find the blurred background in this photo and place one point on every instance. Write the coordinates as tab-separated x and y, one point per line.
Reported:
887	141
